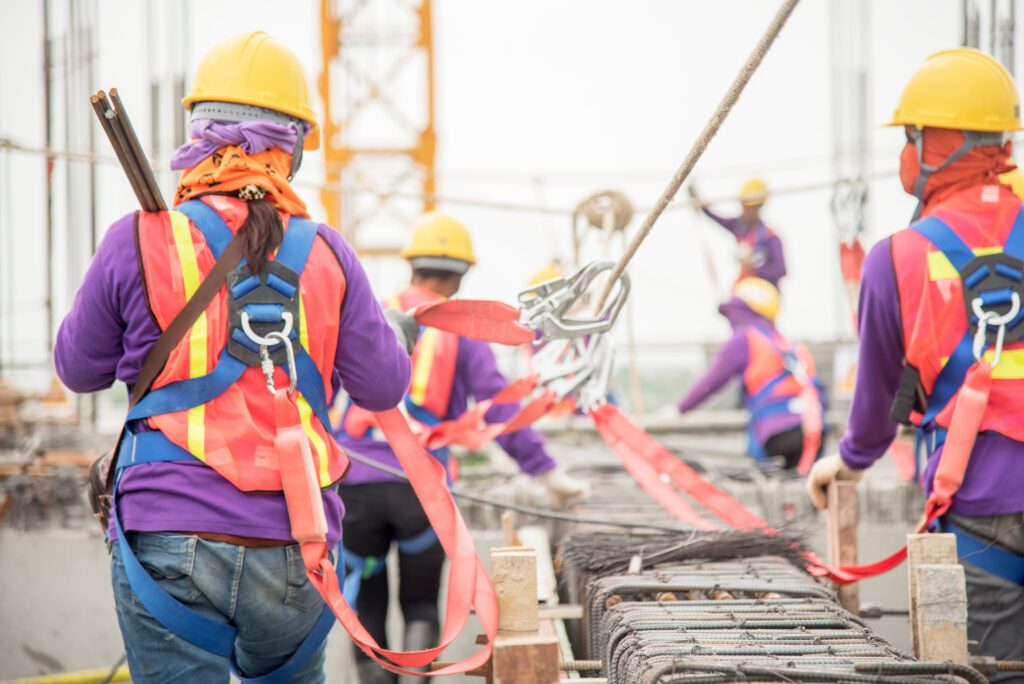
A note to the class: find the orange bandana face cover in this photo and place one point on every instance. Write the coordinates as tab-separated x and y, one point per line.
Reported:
982	164
230	169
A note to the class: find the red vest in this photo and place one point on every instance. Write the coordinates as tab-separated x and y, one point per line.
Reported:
433	372
433	358
234	433
932	309
765	363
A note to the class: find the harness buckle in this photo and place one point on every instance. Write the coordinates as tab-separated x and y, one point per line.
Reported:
549	306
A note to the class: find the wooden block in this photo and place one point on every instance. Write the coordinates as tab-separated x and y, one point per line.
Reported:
536	537
932	549
527	659
514	573
508	530
940	621
842	537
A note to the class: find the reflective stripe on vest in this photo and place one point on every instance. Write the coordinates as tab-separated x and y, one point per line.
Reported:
233	431
433	358
926	259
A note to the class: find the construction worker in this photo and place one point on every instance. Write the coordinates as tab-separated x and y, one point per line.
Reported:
207	576
381	509
780	389
919	353
760	249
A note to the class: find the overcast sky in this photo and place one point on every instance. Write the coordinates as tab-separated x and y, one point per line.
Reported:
580	94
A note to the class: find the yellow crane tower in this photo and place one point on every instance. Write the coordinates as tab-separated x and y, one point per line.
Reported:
377	86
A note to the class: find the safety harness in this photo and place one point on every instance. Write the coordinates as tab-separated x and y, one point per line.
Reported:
263	325
765	402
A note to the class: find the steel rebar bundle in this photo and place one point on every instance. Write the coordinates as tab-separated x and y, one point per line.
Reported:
121	134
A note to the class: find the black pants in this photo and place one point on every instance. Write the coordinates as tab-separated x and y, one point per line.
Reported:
788	445
995	606
377	514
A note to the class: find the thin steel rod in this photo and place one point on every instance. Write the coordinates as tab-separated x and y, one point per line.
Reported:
136	150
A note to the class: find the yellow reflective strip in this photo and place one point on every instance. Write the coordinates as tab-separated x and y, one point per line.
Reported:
306	411
424	361
940	268
197	339
1011	364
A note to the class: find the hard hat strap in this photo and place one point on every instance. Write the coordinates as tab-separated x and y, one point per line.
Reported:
972	139
236	112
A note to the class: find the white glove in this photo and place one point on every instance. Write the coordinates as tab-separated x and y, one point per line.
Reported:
563	487
826	471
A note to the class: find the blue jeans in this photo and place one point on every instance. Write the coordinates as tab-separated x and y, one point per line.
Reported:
261	591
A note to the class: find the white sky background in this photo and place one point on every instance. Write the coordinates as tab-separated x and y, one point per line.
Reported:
590	94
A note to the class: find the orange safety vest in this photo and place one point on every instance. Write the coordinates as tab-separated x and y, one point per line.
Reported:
934	312
433	371
780	377
234	432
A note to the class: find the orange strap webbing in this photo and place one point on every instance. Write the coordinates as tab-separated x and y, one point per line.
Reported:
811	423
650	464
477	319
468	584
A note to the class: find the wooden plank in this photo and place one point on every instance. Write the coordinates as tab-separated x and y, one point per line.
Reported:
930	549
514	573
842	537
526	659
940	621
521	654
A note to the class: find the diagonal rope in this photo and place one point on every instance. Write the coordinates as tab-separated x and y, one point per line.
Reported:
701	144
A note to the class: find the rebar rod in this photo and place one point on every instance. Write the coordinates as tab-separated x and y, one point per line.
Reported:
135	148
99	106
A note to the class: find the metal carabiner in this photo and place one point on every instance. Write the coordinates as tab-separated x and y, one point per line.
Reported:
289	349
993	319
547	307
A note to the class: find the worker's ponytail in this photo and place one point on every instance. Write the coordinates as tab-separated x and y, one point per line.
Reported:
261	233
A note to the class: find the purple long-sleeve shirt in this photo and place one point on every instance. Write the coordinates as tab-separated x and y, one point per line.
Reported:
994	482
476	377
730	362
106	337
770	261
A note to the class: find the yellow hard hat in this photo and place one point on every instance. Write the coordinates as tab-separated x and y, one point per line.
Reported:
753	193
551	271
440	242
963	89
761	296
255	69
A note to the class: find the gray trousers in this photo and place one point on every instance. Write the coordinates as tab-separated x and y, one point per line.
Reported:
995	607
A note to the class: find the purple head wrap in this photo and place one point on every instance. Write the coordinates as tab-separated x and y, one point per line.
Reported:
208	136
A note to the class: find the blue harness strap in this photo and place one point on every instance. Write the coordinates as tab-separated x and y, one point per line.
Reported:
361	568
993	559
152	447
951	378
210	224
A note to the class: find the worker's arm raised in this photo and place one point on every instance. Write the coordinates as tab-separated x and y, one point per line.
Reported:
730	224
728	363
370	362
